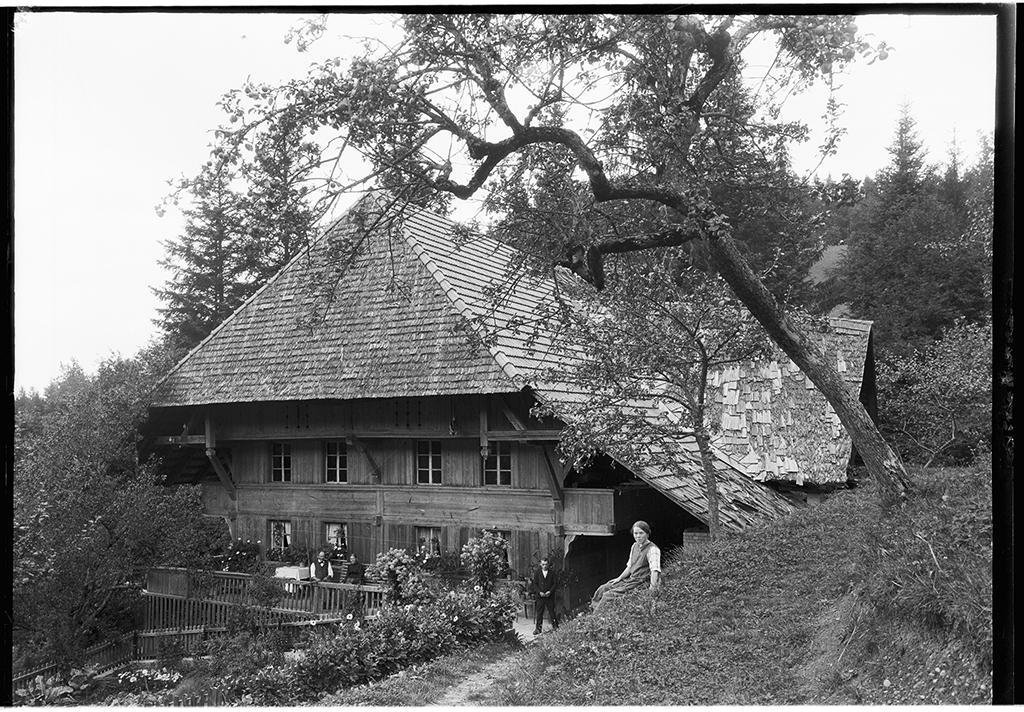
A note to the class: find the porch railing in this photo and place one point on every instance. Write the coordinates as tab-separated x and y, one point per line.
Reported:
299	599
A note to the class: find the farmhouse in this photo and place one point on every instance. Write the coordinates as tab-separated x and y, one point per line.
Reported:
378	393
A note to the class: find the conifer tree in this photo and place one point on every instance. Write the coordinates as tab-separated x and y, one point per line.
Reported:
207	281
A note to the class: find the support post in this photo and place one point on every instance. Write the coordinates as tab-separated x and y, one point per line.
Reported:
358	445
211	455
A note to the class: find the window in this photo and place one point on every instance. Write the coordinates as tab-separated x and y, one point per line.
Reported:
336	533
281	462
336	461
428	541
280	534
428	462
498	464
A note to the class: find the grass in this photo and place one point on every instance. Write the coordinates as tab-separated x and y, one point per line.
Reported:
839	604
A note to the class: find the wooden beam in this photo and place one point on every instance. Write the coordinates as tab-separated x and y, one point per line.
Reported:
511	416
484	445
552	435
211	455
180	440
358	445
554	484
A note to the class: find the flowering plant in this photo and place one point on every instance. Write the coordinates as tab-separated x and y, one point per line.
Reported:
243	556
486	559
402	576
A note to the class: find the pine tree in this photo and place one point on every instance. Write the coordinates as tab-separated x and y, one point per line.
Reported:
907	268
207	280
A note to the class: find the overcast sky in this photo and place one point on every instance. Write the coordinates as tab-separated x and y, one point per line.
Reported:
109	107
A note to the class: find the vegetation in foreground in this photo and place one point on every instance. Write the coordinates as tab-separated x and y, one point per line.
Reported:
842	604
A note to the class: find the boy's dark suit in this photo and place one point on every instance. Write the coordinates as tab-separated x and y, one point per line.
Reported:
545	589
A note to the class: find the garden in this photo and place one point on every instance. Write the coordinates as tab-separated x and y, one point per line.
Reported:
425	616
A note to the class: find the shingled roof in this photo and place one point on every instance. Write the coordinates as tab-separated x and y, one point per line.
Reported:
417	315
777	424
324	328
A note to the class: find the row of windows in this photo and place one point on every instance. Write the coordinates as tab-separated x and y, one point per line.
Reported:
497	468
428	539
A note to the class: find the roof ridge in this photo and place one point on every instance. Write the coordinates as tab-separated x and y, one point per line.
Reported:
217	329
456	300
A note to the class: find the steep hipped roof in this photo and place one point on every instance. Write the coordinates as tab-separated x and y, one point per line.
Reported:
777	424
418	315
380	327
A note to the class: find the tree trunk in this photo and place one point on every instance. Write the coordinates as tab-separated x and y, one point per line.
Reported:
710	483
882	462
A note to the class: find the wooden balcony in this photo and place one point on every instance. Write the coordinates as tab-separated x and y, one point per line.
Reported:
179	598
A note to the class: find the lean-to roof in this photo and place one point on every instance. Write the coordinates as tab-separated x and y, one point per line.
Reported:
777	424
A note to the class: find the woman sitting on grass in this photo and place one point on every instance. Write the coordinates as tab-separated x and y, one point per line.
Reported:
644	565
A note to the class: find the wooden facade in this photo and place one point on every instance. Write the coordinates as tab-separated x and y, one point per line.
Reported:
380	502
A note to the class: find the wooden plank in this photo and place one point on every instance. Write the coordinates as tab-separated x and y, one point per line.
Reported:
180	440
523	435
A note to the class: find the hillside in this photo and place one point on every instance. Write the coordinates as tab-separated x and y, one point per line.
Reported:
838	604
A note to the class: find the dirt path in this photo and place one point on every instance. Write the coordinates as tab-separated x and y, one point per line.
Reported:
473	690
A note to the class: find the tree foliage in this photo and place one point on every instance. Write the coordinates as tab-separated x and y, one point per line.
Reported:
937	401
244	220
659	330
86	514
920	250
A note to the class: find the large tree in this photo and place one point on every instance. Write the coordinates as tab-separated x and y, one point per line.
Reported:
638	106
920	252
87	515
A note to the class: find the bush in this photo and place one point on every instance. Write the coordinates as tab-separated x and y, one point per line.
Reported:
243	556
937	401
486	559
402	577
71	688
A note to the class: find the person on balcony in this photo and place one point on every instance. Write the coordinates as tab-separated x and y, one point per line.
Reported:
643	565
355	571
545	585
321	570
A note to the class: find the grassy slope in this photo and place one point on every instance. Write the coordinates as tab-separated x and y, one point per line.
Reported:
837	604
832	605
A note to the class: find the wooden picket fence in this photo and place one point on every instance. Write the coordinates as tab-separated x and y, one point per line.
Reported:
106	656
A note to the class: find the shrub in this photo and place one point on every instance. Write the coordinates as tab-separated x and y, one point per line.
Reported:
243	556
486	559
402	576
71	688
937	401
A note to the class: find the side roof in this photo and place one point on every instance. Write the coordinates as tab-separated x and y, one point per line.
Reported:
777	425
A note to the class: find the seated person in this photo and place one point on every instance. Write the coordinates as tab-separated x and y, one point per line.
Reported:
356	570
321	570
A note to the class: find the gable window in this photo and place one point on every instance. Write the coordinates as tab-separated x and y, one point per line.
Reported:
279	533
498	464
336	461
336	533
428	541
281	462
428	462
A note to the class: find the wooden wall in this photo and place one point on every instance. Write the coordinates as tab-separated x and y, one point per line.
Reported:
462	465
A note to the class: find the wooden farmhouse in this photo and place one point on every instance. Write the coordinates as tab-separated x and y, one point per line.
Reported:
376	393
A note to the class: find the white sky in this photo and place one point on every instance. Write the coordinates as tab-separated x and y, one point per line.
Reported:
109	107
